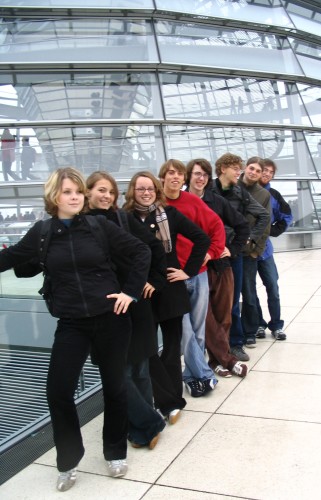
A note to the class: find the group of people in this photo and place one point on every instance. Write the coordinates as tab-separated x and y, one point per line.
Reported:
176	258
8	157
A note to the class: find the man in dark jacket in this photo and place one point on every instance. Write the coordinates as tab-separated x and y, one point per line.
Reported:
228	168
220	274
281	219
250	316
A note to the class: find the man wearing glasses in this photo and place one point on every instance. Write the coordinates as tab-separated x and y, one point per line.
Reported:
228	168
280	221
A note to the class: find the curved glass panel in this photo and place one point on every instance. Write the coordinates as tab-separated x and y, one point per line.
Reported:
122	150
77	40
105	4
263	13
305	18
288	148
191	44
309	57
85	96
311	97
230	99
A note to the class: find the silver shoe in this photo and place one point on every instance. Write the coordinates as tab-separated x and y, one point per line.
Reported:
117	468
66	479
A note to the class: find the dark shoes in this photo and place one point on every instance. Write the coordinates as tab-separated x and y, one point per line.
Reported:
195	388
278	334
260	334
239	353
250	342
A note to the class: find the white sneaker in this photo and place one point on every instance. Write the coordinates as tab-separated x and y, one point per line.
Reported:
66	479
117	468
222	372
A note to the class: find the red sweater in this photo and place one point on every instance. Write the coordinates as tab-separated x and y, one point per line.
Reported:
196	210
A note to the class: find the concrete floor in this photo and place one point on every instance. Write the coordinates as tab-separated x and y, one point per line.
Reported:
253	438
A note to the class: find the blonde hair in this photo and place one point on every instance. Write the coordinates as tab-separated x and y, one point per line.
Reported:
130	194
54	184
98	176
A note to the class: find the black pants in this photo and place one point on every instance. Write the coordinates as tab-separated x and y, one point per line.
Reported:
109	335
166	370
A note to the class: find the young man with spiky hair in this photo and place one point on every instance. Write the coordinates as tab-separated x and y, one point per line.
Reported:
228	168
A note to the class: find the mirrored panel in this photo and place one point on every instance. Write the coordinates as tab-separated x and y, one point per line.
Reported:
309	57
229	99
122	150
79	96
193	44
77	40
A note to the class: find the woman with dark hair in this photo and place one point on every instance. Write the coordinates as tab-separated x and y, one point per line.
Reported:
145	423
146	200
92	308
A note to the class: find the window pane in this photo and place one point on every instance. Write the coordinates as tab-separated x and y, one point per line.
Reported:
230	99
77	40
216	47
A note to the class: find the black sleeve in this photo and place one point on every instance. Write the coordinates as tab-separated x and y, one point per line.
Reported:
241	227
25	250
123	243
157	272
192	232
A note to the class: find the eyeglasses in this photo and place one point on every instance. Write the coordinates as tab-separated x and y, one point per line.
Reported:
142	190
199	175
236	169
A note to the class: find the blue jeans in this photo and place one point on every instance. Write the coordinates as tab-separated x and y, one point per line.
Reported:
193	340
236	331
269	276
249	315
144	421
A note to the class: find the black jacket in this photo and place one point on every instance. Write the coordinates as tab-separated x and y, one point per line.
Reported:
173	300
242	201
144	343
80	269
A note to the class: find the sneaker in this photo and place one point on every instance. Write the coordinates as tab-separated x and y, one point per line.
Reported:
260	334
209	385
195	388
173	416
278	334
66	479
222	372
117	468
239	369
239	353
250	342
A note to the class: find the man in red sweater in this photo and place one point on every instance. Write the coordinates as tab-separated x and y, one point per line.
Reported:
198	377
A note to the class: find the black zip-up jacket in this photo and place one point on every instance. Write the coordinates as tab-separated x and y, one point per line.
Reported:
242	201
230	217
79	268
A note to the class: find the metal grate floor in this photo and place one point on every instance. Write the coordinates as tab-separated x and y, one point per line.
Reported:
23	401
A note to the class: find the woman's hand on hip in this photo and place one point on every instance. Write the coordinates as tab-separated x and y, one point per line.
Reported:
122	302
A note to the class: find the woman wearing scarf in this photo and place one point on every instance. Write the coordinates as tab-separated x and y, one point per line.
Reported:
144	422
145	198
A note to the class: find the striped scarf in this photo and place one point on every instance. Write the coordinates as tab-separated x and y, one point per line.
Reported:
163	232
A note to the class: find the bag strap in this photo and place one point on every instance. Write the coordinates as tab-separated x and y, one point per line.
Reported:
44	239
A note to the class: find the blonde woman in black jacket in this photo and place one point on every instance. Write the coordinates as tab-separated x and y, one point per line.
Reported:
92	311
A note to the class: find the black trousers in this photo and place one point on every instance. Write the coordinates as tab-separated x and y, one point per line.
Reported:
109	335
166	370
